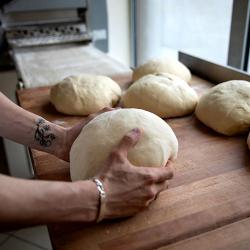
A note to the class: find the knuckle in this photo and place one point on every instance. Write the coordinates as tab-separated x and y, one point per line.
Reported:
150	179
171	174
115	155
147	203
150	194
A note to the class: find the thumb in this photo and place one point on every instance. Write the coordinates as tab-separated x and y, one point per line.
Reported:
129	140
74	131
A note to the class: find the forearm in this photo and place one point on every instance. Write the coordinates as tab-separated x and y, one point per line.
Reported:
29	129
40	202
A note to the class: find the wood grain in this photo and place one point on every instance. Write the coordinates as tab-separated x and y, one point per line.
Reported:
178	213
234	236
210	191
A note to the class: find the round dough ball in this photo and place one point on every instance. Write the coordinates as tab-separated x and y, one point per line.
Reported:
164	94
84	94
100	136
226	107
163	65
248	141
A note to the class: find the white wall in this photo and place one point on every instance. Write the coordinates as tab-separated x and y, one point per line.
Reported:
149	30
201	28
119	30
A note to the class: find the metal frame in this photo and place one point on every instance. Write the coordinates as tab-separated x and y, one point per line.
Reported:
238	53
216	73
97	21
133	32
31	5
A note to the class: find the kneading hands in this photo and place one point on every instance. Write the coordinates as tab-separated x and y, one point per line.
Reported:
27	202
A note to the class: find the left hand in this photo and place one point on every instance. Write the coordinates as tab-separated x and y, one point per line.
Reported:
70	134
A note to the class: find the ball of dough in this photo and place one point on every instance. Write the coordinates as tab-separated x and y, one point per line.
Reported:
164	94
163	65
100	136
226	107
84	94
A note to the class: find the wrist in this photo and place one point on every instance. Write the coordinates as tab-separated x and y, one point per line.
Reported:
88	197
61	149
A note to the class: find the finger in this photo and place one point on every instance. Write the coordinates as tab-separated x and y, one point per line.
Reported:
159	187
170	165
156	174
75	130
106	109
93	115
129	140
77	127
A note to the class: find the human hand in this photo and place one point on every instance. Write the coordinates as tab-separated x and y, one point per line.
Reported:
129	188
70	134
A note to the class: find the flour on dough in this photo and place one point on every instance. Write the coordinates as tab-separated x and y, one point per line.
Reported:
226	107
98	138
84	94
164	94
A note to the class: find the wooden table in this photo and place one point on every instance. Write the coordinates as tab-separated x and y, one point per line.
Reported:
206	207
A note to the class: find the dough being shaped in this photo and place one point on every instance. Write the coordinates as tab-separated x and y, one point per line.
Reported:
164	94
100	136
248	141
163	65
84	94
226	107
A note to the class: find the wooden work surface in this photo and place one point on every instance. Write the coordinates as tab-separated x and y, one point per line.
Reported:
207	205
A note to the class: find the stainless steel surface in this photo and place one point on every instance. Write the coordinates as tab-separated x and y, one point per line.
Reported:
97	21
45	27
211	71
238	53
40	66
47	34
133	32
35	23
32	5
39	17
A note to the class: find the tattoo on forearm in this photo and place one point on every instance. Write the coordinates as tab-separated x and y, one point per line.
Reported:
42	134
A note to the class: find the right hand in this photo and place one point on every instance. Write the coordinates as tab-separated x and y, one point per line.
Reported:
70	134
130	189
